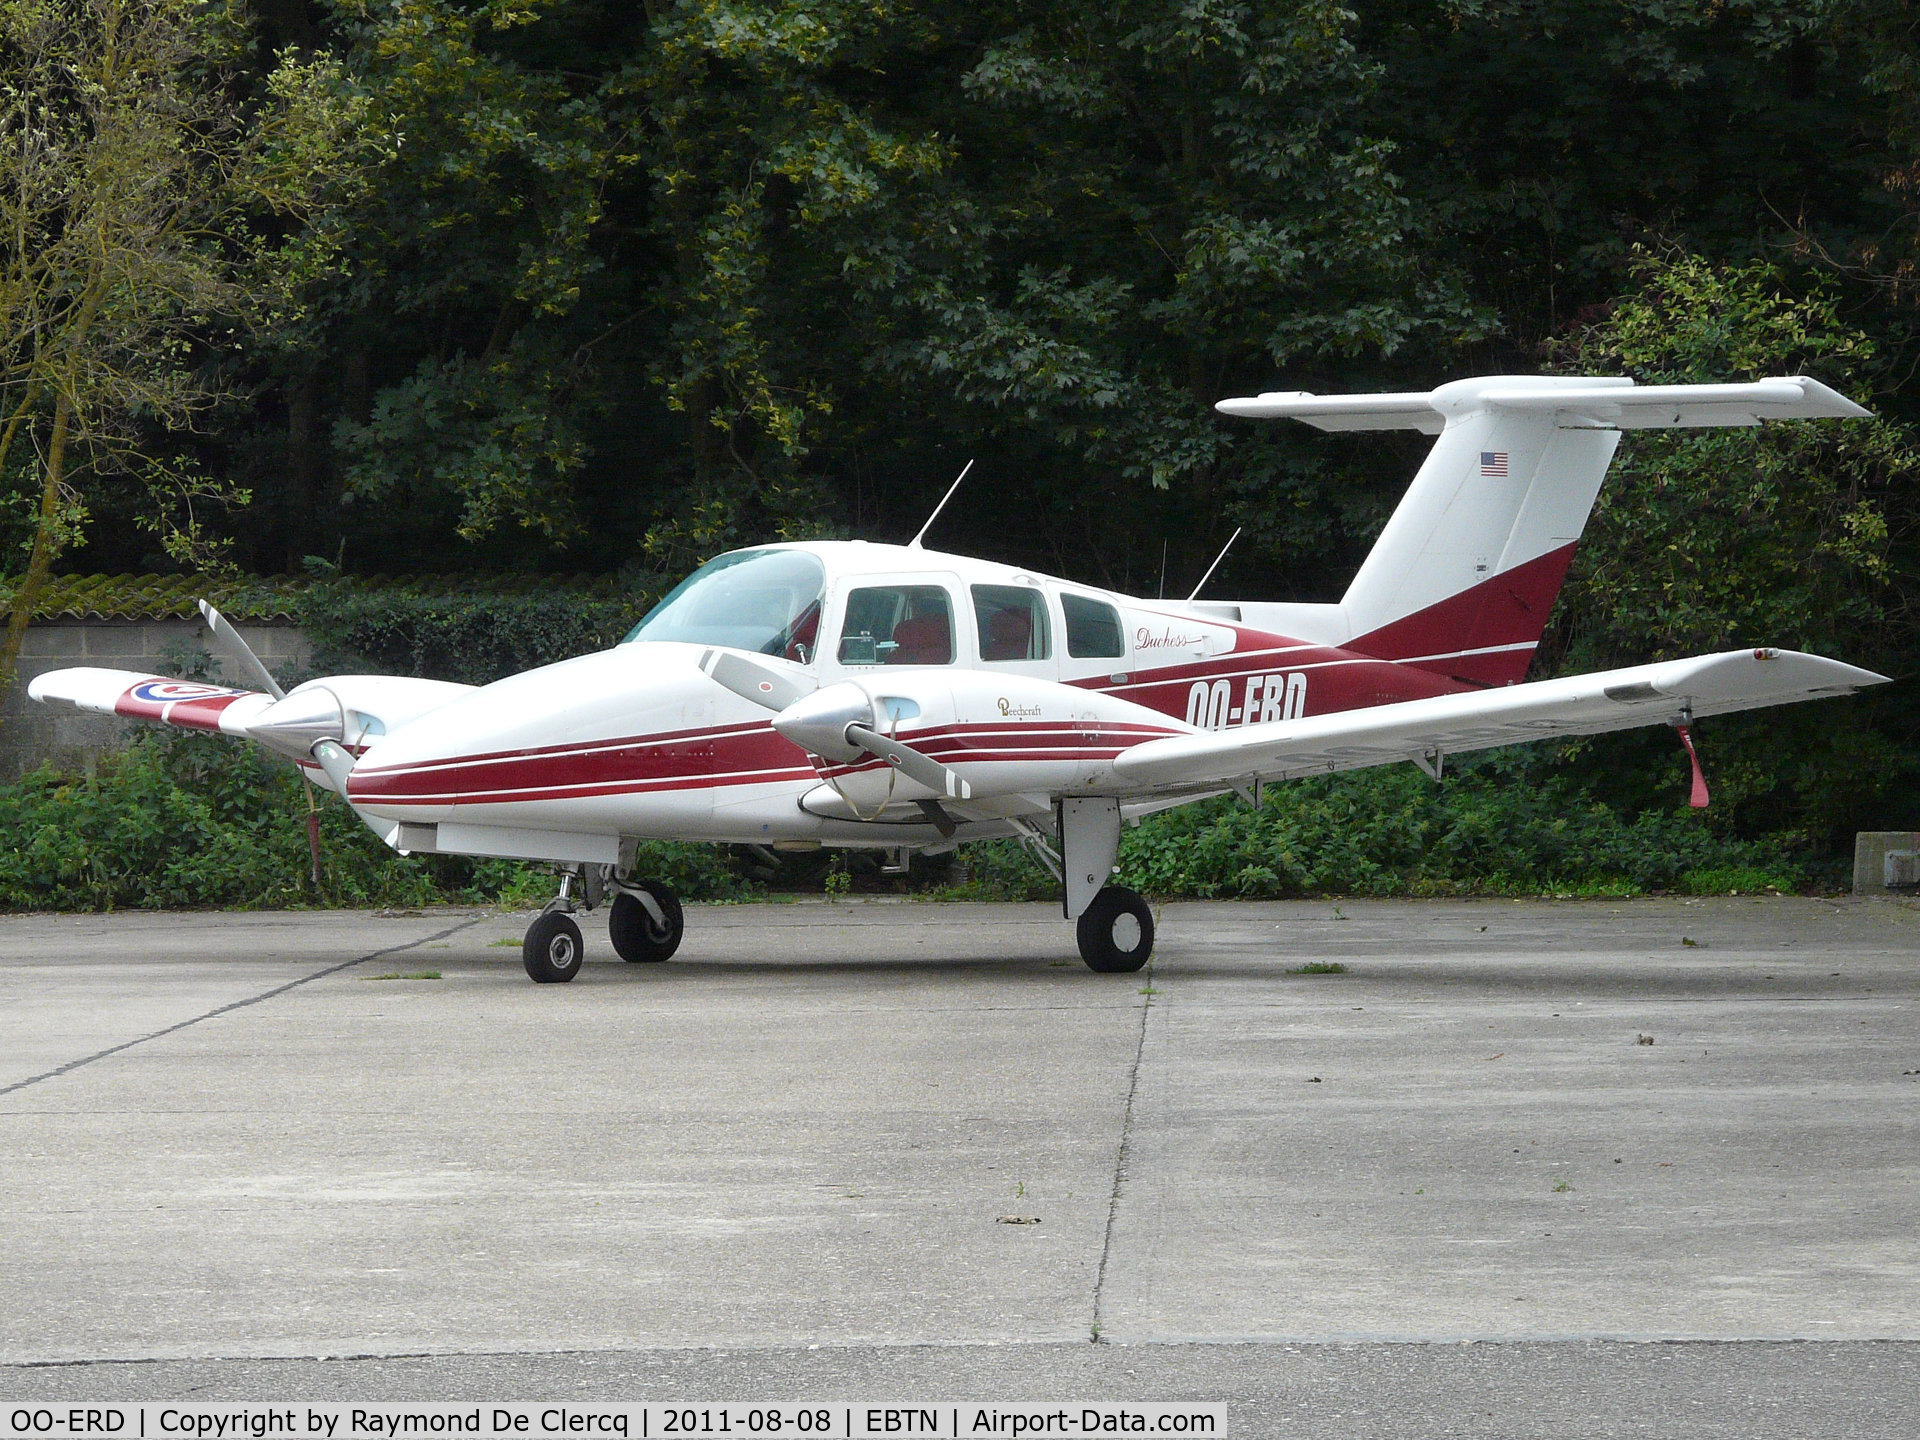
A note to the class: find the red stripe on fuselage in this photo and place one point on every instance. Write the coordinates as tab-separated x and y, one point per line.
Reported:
1338	679
689	759
1508	610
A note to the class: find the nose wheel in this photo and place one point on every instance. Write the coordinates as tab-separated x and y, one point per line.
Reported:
1116	931
552	950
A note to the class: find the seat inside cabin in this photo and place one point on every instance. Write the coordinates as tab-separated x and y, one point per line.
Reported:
926	638
1008	635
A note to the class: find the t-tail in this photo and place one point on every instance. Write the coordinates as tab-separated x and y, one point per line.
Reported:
1464	576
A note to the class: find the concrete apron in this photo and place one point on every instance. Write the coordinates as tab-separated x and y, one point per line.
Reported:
816	1124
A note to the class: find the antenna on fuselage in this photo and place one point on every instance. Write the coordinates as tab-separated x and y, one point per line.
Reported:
914	544
1216	564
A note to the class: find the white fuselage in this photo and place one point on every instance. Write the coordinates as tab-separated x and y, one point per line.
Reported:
638	742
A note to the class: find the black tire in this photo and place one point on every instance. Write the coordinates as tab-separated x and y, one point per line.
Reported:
634	935
553	950
1116	932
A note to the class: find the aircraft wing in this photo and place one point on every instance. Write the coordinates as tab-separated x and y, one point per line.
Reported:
1483	719
131	695
350	708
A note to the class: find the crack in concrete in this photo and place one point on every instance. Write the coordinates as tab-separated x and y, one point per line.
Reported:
73	1065
1120	1159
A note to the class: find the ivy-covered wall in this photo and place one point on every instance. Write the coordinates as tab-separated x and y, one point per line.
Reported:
33	735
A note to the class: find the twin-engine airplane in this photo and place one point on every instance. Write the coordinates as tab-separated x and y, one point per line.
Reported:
892	697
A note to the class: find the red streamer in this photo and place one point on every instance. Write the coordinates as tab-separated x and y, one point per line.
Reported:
1698	800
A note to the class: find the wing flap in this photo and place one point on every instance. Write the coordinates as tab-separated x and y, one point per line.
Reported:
1454	724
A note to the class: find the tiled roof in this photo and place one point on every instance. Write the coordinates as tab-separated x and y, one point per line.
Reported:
272	597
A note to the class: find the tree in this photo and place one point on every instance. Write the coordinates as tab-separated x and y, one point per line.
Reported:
1795	534
129	171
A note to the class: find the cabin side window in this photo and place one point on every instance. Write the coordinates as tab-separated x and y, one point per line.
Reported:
1012	621
897	625
1093	629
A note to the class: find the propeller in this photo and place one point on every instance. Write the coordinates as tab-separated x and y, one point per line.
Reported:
840	723
923	769
239	649
837	723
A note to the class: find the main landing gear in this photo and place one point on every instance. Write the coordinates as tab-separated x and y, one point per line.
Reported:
644	922
1113	924
1116	931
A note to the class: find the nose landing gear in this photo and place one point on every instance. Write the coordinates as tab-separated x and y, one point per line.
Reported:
645	923
553	950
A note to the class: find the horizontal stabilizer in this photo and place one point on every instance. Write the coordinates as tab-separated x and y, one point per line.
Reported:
1341	412
1605	403
1672	691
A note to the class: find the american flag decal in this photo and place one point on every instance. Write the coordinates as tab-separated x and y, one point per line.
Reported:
1494	463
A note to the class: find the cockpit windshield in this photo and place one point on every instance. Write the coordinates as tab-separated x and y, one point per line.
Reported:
764	600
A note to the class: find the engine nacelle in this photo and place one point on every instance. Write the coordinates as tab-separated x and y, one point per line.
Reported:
352	710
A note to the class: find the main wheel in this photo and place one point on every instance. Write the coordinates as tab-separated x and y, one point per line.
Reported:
635	934
552	950
1116	932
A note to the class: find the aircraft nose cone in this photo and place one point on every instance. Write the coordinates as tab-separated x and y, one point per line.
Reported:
818	722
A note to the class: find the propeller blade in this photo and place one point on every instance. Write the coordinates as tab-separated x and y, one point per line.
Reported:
338	764
837	723
239	649
762	684
923	769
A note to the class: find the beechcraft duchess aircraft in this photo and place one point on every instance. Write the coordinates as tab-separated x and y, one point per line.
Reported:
885	696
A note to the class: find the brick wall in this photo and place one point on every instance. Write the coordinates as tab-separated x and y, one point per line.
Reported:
31	734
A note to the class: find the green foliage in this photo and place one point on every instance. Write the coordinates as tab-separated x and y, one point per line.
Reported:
192	820
185	820
648	282
159	597
465	635
1499	826
693	872
1734	880
1002	870
1706	539
1794	535
1393	832
479	192
839	880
